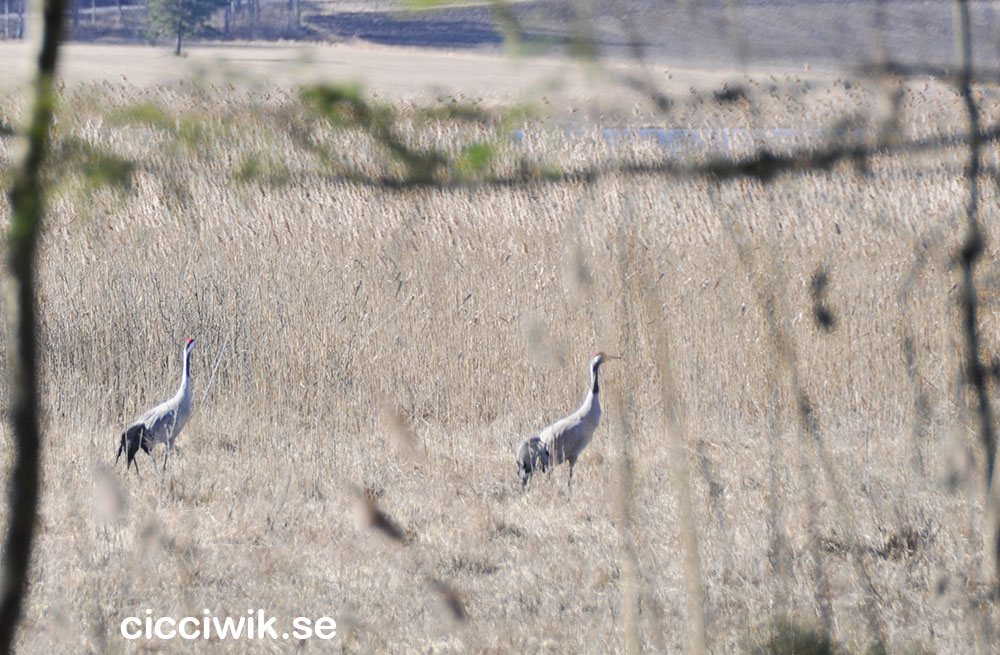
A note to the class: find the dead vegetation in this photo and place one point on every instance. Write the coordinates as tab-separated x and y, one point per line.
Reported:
370	351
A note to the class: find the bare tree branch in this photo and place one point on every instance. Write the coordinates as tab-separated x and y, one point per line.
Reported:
764	165
972	249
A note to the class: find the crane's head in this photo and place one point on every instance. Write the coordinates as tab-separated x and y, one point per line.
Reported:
600	357
188	347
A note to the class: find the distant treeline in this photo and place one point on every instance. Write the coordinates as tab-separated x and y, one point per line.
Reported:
145	20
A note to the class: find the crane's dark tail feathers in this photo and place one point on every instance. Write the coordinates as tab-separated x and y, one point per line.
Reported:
132	440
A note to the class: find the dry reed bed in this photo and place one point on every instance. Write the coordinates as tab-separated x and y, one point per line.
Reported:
473	310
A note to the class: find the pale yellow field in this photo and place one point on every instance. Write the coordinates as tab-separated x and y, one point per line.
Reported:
401	73
322	306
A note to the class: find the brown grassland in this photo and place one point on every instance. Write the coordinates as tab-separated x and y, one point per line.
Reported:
364	347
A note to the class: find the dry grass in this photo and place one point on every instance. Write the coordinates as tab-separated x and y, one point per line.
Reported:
320	306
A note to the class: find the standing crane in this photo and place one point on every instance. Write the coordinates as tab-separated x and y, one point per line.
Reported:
532	456
565	439
161	424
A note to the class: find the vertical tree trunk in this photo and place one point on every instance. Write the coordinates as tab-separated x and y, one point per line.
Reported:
6	19
93	12
27	203
76	13
121	14
178	50
228	18
20	19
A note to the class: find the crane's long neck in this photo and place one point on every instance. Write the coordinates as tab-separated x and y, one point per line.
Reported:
185	388
591	408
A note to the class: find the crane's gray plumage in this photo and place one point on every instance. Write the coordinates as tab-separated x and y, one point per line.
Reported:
531	456
161	424
565	439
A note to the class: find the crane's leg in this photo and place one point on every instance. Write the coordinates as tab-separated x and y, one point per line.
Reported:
572	462
168	447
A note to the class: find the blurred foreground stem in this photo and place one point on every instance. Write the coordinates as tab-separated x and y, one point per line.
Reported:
27	203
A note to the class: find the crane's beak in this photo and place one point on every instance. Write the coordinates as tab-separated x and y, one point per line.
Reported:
607	357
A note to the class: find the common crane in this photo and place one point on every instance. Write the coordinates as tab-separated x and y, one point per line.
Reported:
565	439
161	424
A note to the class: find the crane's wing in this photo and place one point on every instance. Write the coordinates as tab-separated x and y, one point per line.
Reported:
559	437
162	425
151	416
